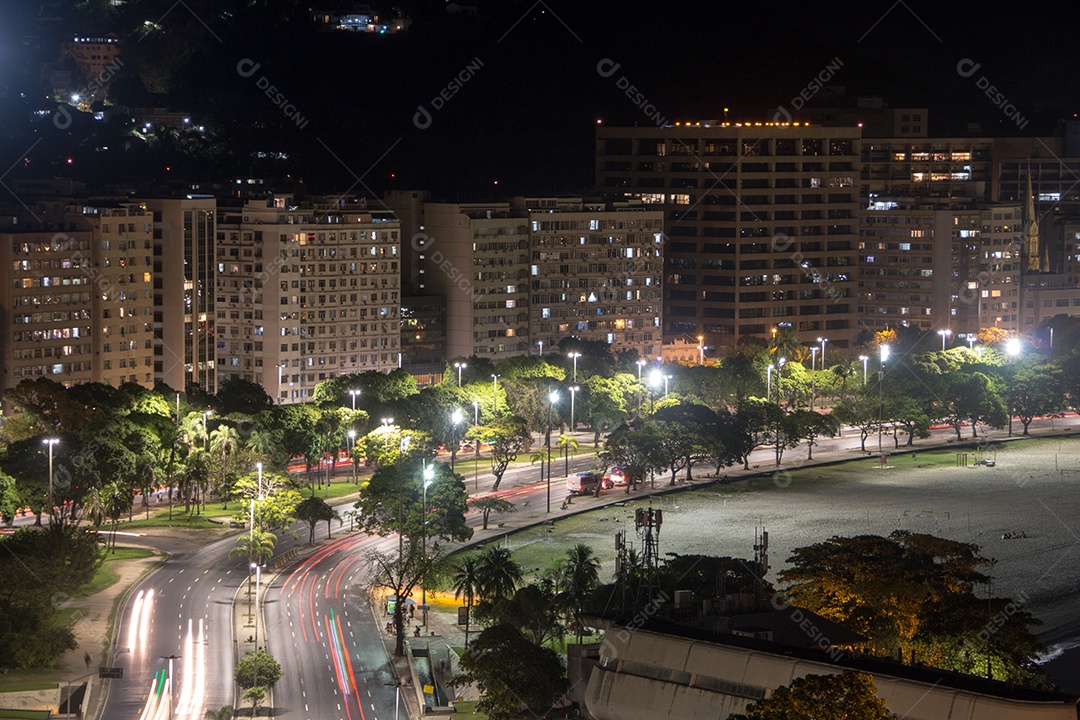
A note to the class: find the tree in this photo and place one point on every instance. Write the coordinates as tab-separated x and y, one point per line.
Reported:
534	610
393	500
845	696
512	674
974	398
581	575
257	546
684	432
810	425
466	584
637	448
384	445
257	669
314	510
508	437
243	396
1035	390
498	573
490	504
915	593
861	411
400	573
603	404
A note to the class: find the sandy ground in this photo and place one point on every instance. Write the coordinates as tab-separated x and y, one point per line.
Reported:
1034	487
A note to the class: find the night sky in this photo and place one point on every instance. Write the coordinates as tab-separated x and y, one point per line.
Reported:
525	115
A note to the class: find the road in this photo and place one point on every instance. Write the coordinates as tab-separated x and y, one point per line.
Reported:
317	619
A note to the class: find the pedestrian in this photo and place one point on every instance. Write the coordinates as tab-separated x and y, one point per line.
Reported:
87	658
417	632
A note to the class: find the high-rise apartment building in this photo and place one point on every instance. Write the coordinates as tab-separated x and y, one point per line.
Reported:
539	270
78	300
306	291
939	266
760	218
184	268
595	274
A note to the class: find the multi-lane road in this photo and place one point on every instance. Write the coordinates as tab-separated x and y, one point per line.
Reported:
317	619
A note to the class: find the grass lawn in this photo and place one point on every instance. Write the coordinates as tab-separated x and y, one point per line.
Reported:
105	575
339	487
466	711
30	680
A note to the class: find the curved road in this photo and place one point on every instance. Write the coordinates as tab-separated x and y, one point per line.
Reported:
317	618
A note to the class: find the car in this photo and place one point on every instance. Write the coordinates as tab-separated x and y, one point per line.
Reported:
615	475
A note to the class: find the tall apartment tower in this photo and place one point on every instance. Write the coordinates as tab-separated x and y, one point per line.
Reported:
760	219
184	272
949	266
306	291
77	306
595	274
476	255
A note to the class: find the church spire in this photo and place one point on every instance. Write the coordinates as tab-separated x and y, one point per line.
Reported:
1034	258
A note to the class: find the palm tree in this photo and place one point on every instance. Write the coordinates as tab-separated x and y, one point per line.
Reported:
467	584
224	442
257	545
116	498
93	506
498	573
225	713
581	575
566	444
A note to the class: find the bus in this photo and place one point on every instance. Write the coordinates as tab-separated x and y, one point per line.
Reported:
584	483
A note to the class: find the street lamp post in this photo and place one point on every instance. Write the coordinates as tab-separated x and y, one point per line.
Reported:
701	349
823	341
768	382
541	344
352	453
258	577
640	364
575	356
460	366
884	357
553	397
495	395
52	501
944	334
666	378
813	386
573	428
864	359
1012	350
429	477
455	419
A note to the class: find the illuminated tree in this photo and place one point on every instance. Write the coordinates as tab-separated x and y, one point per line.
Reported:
822	697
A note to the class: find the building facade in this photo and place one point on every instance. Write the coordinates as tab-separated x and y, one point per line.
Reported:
78	303
945	266
305	292
760	221
184	291
595	274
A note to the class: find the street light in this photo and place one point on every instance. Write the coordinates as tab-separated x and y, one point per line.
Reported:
944	334
574	356
354	393
495	394
768	382
666	378
640	364
823	341
864	359
1012	349
883	355
170	658
476	422
387	422
455	418
460	366
573	392
255	660
429	477
352	455
52	503
701	349
553	397
541	344
813	364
